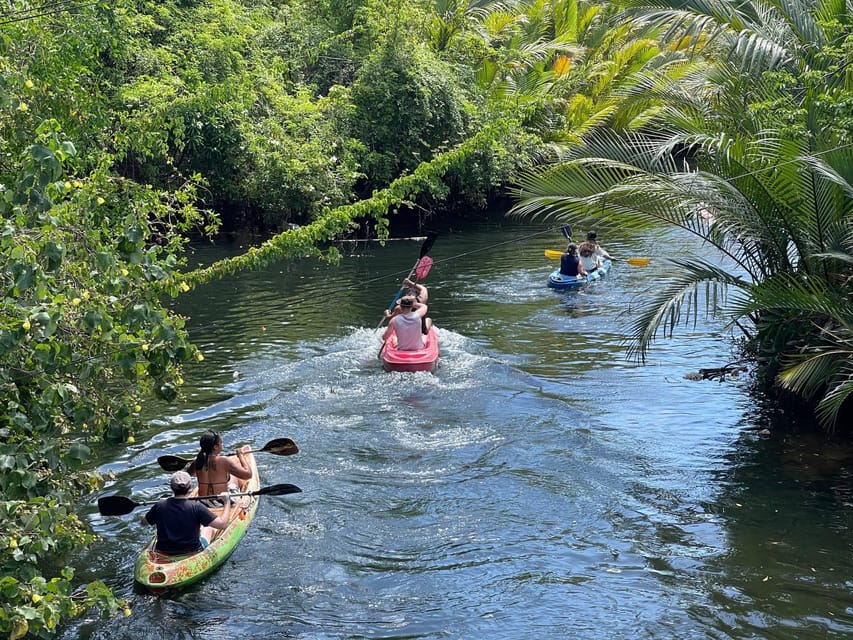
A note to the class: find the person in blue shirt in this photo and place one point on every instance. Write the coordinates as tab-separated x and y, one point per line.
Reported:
570	263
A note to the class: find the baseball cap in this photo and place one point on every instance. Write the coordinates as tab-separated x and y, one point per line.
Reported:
181	482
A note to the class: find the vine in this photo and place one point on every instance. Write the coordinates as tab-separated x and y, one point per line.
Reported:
304	241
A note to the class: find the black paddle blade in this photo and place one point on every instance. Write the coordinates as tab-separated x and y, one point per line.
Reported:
567	231
116	505
281	447
172	463
427	245
277	490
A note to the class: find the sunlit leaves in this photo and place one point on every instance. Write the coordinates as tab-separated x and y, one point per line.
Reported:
750	159
81	294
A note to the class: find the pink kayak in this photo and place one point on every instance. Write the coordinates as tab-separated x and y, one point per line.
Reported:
425	359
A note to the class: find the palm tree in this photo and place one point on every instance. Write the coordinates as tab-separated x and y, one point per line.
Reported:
771	162
568	65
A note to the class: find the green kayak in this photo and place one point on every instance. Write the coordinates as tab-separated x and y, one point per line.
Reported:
159	572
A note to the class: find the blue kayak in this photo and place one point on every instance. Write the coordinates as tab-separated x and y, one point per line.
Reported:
558	281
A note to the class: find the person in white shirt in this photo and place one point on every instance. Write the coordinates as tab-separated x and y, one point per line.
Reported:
410	325
592	237
589	258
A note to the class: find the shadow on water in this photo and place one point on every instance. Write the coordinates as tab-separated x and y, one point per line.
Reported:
787	504
539	485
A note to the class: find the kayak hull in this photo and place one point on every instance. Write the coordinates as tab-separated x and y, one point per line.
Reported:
425	359
558	281
159	573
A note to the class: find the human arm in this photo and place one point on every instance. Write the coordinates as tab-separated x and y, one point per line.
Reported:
240	467
420	291
221	521
420	309
389	313
388	330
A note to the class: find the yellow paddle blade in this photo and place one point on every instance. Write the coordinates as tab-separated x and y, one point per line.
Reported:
637	262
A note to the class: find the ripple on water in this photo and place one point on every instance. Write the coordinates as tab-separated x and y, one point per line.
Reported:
539	485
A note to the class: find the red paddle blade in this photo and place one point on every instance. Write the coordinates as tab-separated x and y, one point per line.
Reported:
424	265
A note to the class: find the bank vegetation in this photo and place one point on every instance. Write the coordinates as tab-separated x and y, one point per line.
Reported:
128	127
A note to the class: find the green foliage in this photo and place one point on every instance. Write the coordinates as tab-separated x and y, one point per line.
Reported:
84	337
407	105
56	73
817	98
295	167
428	179
322	43
768	183
213	93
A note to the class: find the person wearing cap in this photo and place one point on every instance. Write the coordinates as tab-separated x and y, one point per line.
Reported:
592	238
215	472
570	263
183	525
410	325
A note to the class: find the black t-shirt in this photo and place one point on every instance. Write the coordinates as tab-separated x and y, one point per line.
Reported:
178	521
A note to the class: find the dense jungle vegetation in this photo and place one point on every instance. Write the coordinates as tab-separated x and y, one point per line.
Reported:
126	126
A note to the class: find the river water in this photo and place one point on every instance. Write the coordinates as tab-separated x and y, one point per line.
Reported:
540	485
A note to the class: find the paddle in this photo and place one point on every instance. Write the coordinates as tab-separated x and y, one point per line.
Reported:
637	262
422	259
279	447
120	505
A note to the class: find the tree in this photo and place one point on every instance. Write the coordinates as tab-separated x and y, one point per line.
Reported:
407	105
84	336
768	181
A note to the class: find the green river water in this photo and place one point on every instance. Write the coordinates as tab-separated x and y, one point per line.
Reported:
539	486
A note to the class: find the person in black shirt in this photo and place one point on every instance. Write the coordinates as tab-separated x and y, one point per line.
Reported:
185	526
570	263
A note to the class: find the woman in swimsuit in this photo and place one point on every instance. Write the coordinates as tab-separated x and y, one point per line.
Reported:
216	473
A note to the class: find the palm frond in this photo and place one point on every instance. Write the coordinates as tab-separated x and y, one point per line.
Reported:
798	296
839	393
677	301
758	53
809	375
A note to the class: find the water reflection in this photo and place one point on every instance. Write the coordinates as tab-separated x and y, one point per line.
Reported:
787	511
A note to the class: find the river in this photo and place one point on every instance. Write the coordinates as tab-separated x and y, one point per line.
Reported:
540	485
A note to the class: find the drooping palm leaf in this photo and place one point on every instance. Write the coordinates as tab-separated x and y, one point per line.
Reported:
677	299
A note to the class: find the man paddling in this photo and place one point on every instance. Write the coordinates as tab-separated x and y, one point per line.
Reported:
185	526
599	252
410	325
421	294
